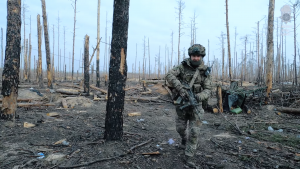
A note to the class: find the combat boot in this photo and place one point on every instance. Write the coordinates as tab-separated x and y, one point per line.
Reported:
189	162
183	143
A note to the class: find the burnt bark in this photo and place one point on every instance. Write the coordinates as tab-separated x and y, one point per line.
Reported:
117	72
39	64
228	42
86	86
2	48
10	75
98	49
270	48
26	62
49	77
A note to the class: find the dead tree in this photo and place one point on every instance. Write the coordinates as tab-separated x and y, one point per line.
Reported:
180	8
295	40
208	52
117	72
172	50
58	50
270	50
149	56
98	49
53	73
86	86
49	77
39	65
24	42
10	75
144	65
64	65
29	54
228	41
25	61
73	41
135	57
2	48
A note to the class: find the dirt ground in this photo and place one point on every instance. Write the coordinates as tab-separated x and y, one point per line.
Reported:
74	138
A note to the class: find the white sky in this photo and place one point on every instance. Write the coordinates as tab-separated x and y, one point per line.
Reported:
153	19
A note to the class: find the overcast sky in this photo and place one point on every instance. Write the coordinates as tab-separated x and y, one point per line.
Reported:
153	19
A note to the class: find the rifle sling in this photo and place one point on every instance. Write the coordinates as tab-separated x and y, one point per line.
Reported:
194	78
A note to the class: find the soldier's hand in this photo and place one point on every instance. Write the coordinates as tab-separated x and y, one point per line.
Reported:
183	93
200	97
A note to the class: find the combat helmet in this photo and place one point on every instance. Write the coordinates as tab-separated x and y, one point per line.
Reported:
197	49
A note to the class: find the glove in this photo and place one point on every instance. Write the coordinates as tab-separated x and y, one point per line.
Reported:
182	92
200	97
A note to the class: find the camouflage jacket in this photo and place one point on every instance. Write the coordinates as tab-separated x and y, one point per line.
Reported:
184	72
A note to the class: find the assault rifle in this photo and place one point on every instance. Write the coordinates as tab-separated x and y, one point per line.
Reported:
190	100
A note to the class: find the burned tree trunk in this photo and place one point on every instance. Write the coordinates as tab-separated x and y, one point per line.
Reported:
270	50
49	77
228	42
10	75
98	49
73	41
29	54
39	65
117	72
86	86
26	61
2	48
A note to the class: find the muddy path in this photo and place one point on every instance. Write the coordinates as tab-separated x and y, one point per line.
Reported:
73	137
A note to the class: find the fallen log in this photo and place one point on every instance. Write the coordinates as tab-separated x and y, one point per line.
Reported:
25	100
69	85
33	104
65	91
147	92
139	145
28	86
153	81
288	110
152	153
142	98
98	89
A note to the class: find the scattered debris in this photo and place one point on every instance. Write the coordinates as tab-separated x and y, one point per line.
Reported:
135	114
28	125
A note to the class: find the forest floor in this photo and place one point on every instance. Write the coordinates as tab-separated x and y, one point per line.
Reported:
73	138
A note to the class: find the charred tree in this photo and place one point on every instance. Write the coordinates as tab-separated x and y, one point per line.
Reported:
295	41
73	41
29	54
117	72
180	8
25	75
98	49
228	41
270	48
39	65
49	77
52	68
2	48
10	75
86	86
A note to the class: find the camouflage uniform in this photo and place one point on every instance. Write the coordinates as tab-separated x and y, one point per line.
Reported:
202	88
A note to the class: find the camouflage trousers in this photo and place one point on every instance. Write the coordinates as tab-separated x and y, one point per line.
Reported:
184	116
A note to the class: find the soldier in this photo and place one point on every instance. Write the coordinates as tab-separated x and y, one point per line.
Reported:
192	71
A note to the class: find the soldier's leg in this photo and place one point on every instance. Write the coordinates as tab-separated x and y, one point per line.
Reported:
194	131
181	122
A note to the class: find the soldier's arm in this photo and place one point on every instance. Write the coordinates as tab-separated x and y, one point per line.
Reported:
207	88
172	77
